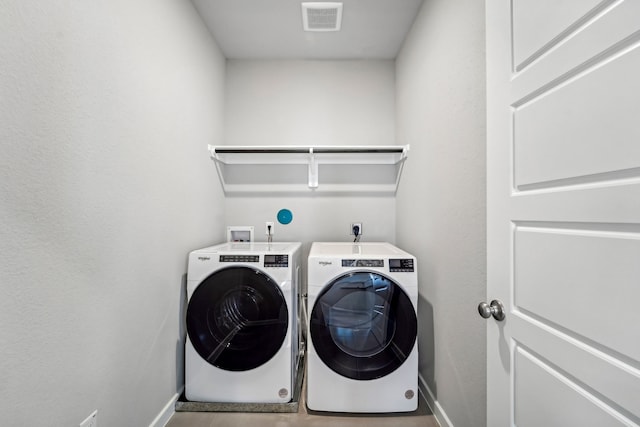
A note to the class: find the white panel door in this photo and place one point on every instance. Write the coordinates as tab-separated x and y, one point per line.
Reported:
563	183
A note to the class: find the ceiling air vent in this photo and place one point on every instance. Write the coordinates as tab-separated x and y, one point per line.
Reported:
321	16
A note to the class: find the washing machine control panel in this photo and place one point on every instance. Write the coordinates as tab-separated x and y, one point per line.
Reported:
401	265
239	258
276	260
371	263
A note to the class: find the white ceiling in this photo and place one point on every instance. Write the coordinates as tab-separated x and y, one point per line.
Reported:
272	29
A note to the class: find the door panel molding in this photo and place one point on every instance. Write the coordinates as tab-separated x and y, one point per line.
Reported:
563	213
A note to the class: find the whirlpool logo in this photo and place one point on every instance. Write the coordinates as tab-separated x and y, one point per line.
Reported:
325	263
204	258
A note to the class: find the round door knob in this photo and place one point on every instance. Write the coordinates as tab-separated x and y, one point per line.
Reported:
495	309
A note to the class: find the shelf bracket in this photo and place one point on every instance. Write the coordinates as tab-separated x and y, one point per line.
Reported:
313	169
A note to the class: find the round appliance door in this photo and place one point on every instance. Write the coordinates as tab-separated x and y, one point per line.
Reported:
363	325
237	318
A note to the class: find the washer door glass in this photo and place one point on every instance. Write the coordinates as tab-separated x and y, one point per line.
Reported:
363	325
237	318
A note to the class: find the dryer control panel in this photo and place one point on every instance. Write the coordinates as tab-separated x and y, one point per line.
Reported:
401	265
276	260
239	258
362	263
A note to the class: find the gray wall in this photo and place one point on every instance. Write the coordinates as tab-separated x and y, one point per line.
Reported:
441	203
295	102
105	184
298	102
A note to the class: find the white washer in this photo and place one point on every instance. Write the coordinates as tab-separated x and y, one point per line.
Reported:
242	323
362	351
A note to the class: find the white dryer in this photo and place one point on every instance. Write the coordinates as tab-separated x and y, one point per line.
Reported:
362	351
242	323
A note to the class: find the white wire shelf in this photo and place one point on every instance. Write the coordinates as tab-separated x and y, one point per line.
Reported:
357	170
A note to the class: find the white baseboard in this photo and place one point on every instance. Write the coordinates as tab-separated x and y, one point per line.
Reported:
435	407
167	412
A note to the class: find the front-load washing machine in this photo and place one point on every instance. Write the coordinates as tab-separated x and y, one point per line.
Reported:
242	323
362	353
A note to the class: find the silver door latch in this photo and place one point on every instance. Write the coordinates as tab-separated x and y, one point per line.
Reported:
495	309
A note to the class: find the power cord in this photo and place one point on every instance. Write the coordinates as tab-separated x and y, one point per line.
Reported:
356	233
269	236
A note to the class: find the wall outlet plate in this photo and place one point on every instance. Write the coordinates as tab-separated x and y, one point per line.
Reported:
355	224
266	228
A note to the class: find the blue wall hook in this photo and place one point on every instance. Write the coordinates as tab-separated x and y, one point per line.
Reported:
285	216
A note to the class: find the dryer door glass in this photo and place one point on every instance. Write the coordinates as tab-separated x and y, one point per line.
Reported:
363	325
237	318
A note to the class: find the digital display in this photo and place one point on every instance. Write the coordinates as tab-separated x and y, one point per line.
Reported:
276	260
401	265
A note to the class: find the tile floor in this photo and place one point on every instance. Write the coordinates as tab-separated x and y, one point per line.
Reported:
422	417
